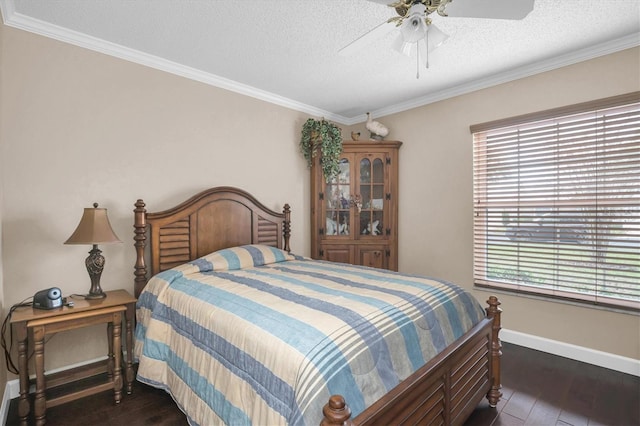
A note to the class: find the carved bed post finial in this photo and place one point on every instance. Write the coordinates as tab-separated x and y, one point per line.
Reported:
140	238
287	227
336	412
494	311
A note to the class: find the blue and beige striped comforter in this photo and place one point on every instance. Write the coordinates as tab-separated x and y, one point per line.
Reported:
255	335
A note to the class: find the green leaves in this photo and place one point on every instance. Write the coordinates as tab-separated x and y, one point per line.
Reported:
326	137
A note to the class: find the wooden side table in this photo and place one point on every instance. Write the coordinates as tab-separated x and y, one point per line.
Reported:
32	325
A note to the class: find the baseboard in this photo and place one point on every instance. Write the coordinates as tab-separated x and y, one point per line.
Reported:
12	388
567	350
6	399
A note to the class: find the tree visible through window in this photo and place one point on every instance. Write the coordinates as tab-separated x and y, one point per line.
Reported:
557	203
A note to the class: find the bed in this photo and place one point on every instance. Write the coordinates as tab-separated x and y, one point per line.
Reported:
240	330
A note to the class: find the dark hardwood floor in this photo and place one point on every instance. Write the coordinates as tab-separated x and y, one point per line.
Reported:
543	389
538	389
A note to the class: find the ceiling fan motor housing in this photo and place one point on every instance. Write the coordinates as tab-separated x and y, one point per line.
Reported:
402	7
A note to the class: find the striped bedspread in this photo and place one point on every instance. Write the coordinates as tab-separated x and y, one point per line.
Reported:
254	335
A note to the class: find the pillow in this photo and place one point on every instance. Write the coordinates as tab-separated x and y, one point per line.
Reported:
241	257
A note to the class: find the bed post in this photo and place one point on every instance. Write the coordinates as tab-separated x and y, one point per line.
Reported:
494	311
336	412
287	227
140	238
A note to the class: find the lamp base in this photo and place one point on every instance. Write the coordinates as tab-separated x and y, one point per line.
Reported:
95	263
93	296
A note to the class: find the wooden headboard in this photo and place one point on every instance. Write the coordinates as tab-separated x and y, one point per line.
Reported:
214	219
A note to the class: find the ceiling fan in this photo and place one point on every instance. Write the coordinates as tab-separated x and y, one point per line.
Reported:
418	35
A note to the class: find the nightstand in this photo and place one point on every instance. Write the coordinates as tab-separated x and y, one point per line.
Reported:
32	325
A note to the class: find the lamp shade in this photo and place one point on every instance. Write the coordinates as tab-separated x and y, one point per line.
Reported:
94	228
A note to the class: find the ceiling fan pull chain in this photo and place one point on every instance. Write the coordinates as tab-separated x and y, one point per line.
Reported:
427	43
417	62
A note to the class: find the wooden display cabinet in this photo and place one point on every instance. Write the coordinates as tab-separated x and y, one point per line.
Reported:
354	217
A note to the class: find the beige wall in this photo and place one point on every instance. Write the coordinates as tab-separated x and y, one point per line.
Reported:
82	127
79	127
3	369
436	192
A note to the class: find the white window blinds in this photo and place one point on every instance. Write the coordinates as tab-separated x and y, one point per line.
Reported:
557	203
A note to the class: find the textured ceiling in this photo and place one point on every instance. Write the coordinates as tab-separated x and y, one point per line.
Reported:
286	51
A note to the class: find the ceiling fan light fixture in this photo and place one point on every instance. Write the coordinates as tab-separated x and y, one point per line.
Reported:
432	39
401	46
414	27
435	37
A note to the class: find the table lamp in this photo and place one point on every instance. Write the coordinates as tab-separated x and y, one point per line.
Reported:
94	228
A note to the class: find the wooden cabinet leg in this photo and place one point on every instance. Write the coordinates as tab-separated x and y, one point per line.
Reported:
117	362
110	363
23	401
129	316
40	403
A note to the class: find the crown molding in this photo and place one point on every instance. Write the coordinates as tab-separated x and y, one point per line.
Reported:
591	52
19	21
23	22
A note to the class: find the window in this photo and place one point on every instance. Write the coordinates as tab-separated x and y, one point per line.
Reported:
557	203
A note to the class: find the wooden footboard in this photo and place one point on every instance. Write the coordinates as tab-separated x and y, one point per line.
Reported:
444	391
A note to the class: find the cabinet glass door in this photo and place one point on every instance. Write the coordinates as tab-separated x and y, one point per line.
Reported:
337	201
372	189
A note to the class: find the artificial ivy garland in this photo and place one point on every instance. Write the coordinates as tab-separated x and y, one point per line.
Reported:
326	136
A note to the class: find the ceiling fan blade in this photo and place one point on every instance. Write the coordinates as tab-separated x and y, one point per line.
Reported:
490	9
366	38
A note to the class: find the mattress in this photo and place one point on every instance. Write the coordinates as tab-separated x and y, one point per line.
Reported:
255	335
